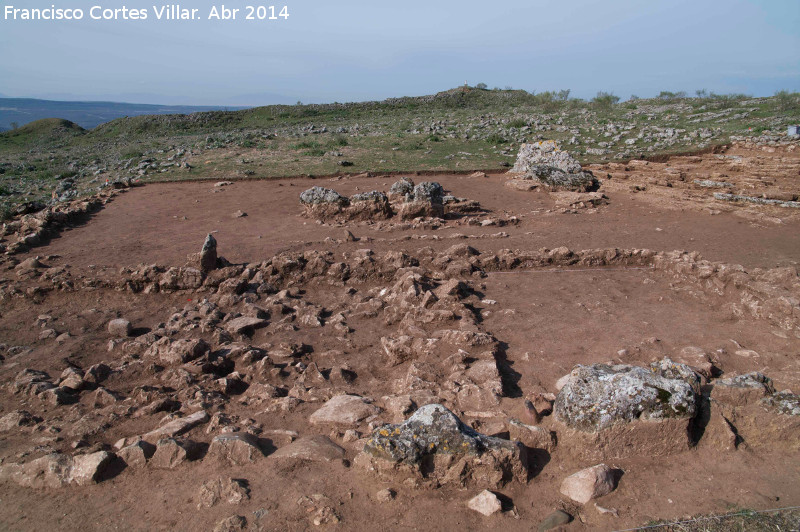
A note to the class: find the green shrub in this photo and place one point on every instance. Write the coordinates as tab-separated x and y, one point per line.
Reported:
339	140
786	99
495	138
605	100
307	144
518	123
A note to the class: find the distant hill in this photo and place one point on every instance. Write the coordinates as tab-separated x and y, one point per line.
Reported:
88	115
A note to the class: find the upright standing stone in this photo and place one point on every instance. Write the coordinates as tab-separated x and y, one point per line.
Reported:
208	255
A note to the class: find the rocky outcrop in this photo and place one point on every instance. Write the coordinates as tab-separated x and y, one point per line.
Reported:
434	445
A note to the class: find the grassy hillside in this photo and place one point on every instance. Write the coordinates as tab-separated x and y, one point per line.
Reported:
21	111
460	129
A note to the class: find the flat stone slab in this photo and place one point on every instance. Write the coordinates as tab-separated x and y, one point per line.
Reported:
312	449
177	426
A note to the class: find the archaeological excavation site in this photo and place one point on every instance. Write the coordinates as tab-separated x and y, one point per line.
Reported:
550	346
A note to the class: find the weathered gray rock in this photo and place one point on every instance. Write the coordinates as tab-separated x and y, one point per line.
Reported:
598	396
784	402
374	196
231	491
120	328
546	163
609	412
236	448
344	411
434	444
426	200
544	153
589	483
208	254
402	188
742	389
320	195
429	191
485	503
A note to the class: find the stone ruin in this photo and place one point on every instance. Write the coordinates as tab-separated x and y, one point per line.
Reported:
405	200
546	165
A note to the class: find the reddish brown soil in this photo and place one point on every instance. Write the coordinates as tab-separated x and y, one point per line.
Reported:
548	320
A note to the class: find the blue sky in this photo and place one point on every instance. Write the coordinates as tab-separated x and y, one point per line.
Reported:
350	50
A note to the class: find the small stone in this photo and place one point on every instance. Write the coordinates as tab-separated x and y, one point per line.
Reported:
533	437
589	483
231	491
386	495
485	503
234	523
120	328
555	519
47	334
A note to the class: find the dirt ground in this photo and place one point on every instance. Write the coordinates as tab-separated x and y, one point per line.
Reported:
546	320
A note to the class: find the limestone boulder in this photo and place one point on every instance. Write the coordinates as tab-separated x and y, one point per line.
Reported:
621	410
434	445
